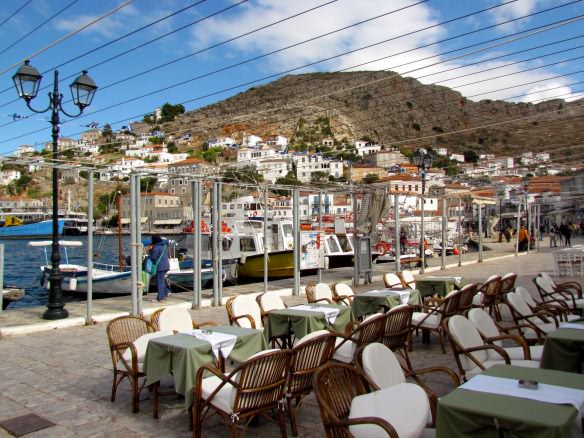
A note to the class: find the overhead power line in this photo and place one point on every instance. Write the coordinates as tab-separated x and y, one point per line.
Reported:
24	5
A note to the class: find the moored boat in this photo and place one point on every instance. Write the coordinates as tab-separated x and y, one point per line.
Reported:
38	230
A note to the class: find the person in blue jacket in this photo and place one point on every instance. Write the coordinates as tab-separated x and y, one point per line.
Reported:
160	250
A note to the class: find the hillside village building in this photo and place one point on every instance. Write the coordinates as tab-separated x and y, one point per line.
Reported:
308	164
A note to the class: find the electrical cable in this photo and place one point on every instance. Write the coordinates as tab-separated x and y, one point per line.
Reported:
26	3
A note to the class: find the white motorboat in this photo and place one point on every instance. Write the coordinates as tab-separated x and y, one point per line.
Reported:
107	279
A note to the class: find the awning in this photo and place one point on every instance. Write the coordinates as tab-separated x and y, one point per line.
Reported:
126	221
167	222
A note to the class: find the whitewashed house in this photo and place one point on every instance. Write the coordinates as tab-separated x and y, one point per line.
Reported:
251	141
7	176
307	164
221	142
366	148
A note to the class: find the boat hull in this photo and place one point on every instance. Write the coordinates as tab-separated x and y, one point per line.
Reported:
183	280
280	265
37	230
104	282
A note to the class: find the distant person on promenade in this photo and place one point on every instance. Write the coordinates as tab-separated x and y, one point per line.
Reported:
566	233
554	235
523	238
159	256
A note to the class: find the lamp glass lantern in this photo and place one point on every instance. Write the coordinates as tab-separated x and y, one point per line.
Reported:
27	80
83	89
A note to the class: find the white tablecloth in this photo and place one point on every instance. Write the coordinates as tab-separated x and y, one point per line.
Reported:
223	342
330	313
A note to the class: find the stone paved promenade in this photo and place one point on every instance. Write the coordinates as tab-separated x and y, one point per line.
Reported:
64	375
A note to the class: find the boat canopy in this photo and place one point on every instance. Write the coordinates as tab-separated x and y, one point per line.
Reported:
68	243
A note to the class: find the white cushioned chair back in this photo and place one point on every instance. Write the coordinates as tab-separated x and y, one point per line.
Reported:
175	318
247	305
525	296
545	284
312	335
518	304
484	323
392	280
467	336
381	365
271	301
323	290
408	276
141	345
344	290
548	278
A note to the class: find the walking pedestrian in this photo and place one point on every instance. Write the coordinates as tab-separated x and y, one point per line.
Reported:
159	257
554	235
566	233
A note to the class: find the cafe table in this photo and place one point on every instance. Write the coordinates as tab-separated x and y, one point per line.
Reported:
437	285
465	412
300	321
183	354
381	300
564	348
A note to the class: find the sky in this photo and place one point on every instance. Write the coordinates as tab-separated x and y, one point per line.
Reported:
144	53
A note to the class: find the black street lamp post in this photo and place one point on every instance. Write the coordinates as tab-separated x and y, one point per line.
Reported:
423	161
27	81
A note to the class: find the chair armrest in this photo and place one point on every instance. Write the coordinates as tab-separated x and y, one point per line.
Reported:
498	350
217	373
342	298
517	339
249	318
323	300
197	325
436	369
350	328
576	287
120	349
385	425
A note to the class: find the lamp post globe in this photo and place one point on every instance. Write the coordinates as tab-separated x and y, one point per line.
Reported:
27	81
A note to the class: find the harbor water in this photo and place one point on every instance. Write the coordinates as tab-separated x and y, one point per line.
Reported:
22	263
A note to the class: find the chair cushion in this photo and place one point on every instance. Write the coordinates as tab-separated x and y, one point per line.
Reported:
271	301
381	365
432	321
405	406
247	305
224	399
141	345
310	336
175	318
345	352
477	299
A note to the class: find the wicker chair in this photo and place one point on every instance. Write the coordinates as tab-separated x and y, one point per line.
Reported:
269	301
319	293
431	319
244	311
382	366
128	338
508	283
397	332
489	297
176	318
335	387
407	279
492	333
309	353
392	280
358	334
472	354
549	292
572	286
255	387
558	308
467	294
539	322
343	294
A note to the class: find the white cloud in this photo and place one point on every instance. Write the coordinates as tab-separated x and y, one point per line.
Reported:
343	13
511	11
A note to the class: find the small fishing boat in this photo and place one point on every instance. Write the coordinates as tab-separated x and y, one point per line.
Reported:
107	279
41	229
11	294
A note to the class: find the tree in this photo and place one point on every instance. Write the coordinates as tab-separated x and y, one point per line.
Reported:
471	156
148	183
288	180
247	174
168	112
371	178
318	177
107	132
171	147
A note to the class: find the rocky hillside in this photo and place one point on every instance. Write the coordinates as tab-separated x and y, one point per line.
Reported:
389	109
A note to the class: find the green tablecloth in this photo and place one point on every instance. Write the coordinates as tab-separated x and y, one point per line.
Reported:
183	355
473	413
379	301
435	285
303	322
564	350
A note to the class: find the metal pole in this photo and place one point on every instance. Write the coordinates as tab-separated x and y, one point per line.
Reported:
296	225
133	244
443	237
196	197
538	224
356	243
1	275
528	211
480	219
88	308
139	248
459	231
215	244
422	246
518	226
56	304
220	244
320	230
397	244
265	239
